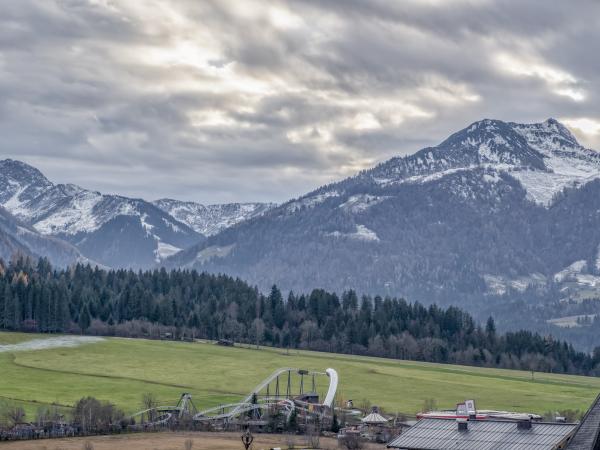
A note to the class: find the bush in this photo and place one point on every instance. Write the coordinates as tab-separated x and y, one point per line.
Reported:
351	442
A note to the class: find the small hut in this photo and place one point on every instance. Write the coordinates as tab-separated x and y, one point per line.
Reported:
374	418
377	426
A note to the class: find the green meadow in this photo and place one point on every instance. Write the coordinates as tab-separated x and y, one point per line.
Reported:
122	370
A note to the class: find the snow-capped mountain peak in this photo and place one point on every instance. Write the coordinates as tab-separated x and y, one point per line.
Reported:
545	157
567	163
111	229
463	217
19	183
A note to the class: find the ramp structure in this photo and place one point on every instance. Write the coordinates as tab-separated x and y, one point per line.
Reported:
285	393
165	415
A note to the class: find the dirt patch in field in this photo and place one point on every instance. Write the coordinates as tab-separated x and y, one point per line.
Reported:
169	441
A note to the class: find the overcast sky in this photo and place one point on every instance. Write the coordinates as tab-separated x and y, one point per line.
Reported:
242	100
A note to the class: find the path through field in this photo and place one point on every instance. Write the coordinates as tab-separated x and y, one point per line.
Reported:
52	342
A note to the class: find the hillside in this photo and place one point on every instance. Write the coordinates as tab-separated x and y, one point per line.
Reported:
496	208
211	219
121	370
34	297
113	230
17	237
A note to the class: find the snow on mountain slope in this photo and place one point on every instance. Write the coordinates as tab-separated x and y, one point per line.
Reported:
567	163
210	219
19	183
111	229
472	215
18	237
545	158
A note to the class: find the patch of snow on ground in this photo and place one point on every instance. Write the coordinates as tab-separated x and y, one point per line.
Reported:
361	202
13	203
568	163
588	280
362	233
435	176
214	251
171	225
365	234
498	284
542	186
310	202
574	269
492	177
147	226
164	250
53	342
572	321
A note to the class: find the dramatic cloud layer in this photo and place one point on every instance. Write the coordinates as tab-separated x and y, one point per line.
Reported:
239	100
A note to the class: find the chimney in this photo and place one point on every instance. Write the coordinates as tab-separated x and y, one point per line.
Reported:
463	424
524	425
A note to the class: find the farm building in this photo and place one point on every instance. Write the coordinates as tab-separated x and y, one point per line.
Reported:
442	434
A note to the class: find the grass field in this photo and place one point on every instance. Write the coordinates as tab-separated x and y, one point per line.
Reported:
121	370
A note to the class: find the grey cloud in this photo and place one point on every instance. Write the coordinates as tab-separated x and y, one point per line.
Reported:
215	101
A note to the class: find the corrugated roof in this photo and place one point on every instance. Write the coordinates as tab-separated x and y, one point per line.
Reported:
586	435
374	418
443	434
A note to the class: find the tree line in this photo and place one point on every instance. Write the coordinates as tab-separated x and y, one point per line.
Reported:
36	297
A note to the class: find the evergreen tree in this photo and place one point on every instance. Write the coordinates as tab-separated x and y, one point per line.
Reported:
39	298
85	319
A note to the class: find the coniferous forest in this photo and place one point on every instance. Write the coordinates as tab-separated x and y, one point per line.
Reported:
182	304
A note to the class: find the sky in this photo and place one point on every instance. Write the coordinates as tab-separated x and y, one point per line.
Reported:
244	100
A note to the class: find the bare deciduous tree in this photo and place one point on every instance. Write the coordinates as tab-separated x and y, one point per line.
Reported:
14	414
149	402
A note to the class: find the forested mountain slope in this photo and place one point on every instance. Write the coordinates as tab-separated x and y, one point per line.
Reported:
496	207
154	303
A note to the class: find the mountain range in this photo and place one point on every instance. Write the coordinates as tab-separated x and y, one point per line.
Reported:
211	219
496	208
111	230
18	238
501	218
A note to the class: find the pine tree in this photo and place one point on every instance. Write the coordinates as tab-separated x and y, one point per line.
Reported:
85	319
2	307
9	308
